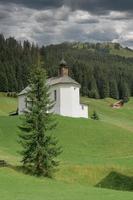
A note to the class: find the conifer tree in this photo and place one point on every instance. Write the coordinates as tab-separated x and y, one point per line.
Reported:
104	87
17	59
124	91
114	93
40	148
93	93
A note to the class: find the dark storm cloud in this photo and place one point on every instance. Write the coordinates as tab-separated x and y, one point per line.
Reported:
97	6
103	6
4	15
128	43
37	4
55	21
54	14
74	33
87	21
121	16
103	36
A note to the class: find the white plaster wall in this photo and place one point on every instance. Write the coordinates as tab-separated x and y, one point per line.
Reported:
56	108
21	104
75	101
70	102
67	102
79	110
83	111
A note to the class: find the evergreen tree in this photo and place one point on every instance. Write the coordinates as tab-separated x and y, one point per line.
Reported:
39	146
86	61
114	93
104	87
124	91
93	93
4	82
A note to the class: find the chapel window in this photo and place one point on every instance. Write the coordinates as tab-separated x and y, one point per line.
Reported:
55	95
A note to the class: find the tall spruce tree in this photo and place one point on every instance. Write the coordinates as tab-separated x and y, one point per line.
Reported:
93	93
124	91
114	93
103	87
40	148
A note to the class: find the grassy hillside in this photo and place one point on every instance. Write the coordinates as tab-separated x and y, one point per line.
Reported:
122	52
7	105
95	153
109	47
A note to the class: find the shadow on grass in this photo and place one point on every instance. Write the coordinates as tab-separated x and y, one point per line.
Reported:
116	181
21	169
28	171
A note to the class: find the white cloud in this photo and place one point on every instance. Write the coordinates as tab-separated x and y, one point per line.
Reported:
56	25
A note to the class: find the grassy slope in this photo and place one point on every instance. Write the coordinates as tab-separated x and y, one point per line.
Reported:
124	52
120	52
6	105
14	186
91	150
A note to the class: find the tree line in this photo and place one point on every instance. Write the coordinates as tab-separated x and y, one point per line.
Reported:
100	74
16	61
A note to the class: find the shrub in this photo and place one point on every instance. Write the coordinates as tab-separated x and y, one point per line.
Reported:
95	116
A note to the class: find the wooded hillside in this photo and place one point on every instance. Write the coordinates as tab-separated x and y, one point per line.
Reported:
103	70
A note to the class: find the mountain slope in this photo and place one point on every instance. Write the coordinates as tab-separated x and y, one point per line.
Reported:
94	152
106	48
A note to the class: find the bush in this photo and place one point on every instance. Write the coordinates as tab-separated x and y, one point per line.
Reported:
95	116
125	99
12	94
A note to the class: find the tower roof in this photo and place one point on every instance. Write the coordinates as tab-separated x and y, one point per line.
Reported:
63	62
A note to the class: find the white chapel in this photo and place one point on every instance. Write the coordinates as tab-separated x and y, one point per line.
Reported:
64	91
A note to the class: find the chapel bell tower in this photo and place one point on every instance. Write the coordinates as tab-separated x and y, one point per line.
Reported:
64	69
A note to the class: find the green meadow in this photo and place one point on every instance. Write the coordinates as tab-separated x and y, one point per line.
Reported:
97	158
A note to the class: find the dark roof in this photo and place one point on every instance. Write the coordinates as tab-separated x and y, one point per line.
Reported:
25	91
54	81
62	80
63	62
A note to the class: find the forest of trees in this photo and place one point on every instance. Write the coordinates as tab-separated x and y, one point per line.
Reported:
100	74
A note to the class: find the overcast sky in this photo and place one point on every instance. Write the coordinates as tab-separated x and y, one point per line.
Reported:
55	21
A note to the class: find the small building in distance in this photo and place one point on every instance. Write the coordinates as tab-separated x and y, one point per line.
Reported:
118	104
64	91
